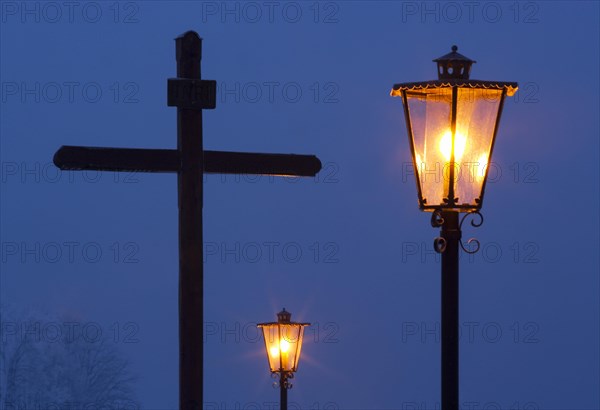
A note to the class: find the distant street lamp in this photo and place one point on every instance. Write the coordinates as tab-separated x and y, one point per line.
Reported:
452	124
283	341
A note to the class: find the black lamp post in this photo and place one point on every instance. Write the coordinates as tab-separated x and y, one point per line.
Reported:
452	124
283	342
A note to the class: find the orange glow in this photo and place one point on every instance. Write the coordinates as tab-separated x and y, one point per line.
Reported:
274	351
284	347
283	342
482	164
460	141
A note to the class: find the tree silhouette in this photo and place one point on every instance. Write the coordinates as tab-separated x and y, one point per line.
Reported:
45	365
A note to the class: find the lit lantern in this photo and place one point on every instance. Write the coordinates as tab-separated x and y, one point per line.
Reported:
452	124
283	341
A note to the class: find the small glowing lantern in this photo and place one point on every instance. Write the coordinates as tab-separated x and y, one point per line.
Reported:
452	124
283	341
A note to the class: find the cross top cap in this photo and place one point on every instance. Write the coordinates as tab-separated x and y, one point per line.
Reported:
454	65
284	316
189	34
188	45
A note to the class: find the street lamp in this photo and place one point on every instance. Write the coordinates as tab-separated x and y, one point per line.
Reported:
283	341
452	124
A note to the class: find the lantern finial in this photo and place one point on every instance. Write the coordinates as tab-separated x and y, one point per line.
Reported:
454	65
284	317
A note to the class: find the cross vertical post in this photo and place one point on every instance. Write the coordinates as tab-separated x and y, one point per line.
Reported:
190	94
191	273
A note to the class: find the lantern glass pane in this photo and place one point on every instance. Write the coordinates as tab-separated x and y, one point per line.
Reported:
477	110
430	119
283	343
299	346
271	335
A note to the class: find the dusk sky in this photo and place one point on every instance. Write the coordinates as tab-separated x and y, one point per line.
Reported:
349	250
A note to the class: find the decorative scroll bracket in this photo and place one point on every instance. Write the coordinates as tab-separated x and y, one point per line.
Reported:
440	243
284	379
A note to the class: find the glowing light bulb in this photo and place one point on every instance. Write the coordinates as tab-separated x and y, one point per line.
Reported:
284	345
460	141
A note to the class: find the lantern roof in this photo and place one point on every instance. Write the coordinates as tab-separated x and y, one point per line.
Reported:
454	65
283	317
454	56
454	70
511	87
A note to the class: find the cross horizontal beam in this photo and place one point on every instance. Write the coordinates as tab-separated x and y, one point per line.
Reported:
116	159
222	162
168	160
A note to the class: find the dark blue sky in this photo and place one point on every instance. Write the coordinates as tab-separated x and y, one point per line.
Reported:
348	251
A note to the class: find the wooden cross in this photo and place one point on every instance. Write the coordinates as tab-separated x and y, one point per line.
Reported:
190	95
